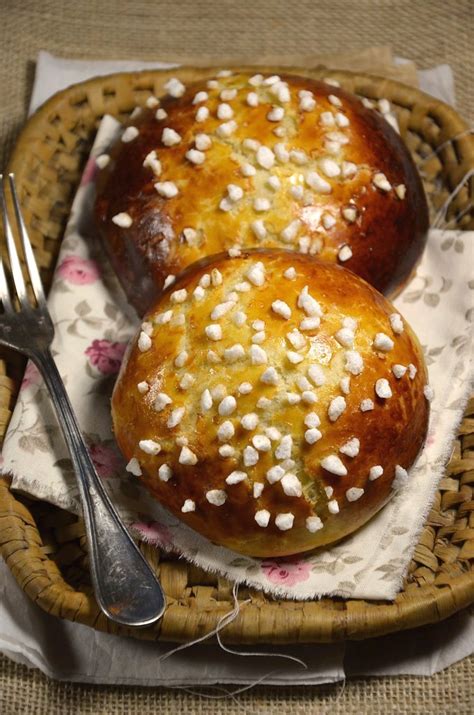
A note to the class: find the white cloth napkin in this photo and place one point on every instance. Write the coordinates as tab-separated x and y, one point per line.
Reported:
92	327
73	652
85	655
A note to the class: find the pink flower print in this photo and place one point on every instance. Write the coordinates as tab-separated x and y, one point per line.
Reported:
153	533
106	460
31	376
286	573
106	356
90	172
78	271
431	439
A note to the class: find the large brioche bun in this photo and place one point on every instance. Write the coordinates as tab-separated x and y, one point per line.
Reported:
286	162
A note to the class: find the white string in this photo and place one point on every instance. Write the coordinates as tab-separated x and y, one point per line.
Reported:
445	143
228	693
207	696
225	620
464	211
441	215
257	653
231	693
340	694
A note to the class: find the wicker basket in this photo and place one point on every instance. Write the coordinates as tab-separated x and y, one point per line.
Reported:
45	547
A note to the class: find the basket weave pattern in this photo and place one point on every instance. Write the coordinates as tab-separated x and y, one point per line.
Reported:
46	547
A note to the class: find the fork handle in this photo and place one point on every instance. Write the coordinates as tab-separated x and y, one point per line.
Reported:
124	584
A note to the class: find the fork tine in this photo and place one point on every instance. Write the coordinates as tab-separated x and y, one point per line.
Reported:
4	290
12	252
35	278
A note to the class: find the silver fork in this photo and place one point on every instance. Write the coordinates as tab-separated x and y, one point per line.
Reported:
125	587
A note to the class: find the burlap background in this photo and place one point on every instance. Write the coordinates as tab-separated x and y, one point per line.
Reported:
426	31
447	693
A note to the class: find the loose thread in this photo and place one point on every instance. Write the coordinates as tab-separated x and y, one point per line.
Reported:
446	143
207	696
225	620
464	211
256	653
441	215
227	693
341	693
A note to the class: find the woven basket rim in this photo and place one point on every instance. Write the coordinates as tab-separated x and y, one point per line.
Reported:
394	86
424	604
430	604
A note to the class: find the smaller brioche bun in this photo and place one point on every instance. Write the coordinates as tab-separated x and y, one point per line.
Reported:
271	401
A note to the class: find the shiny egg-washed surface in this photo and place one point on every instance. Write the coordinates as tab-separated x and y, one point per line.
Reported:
284	162
263	396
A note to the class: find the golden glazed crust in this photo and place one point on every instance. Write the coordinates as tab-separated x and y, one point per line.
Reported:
336	177
264	360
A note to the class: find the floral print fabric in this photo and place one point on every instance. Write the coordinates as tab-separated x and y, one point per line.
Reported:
93	325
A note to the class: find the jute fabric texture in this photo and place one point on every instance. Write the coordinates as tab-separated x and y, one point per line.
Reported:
426	32
26	691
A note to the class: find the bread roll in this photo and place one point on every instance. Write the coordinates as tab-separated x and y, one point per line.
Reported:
272	401
284	162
